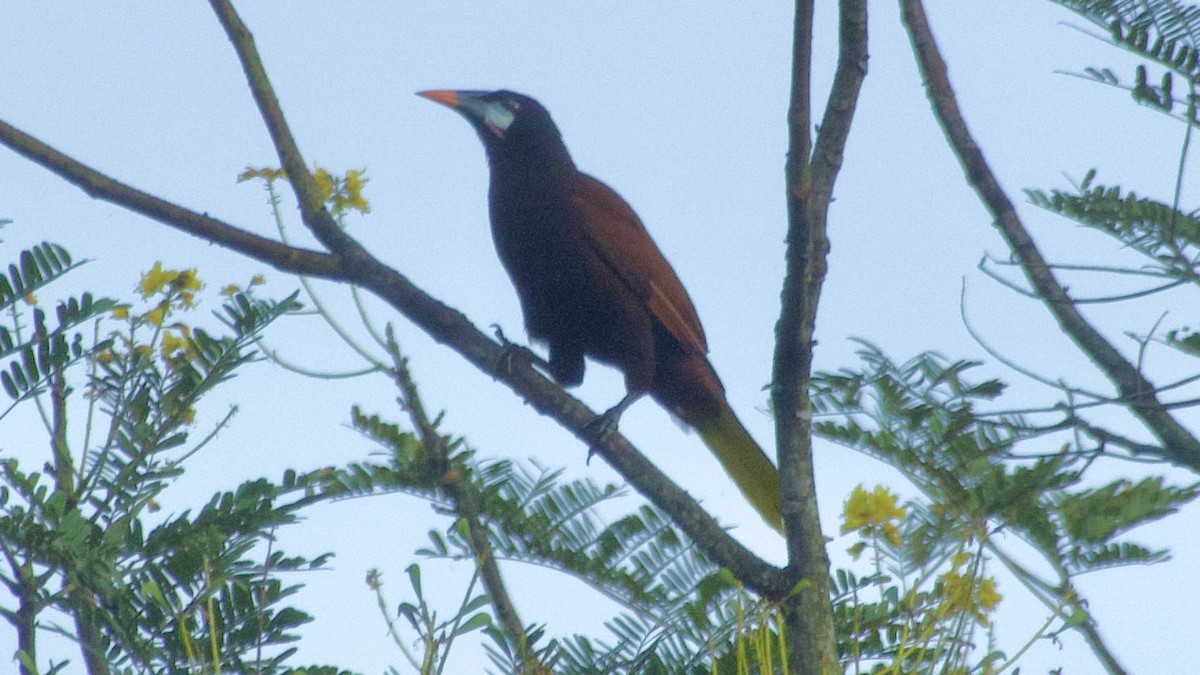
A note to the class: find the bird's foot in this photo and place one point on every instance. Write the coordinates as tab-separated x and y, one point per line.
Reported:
512	351
600	428
606	422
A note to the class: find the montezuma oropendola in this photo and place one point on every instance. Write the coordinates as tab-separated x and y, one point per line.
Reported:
592	283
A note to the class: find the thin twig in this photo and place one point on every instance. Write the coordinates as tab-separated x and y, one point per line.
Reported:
462	494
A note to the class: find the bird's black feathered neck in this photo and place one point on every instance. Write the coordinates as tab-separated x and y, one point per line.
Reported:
532	144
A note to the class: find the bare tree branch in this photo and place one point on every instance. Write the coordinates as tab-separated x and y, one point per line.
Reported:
1137	392
810	176
99	186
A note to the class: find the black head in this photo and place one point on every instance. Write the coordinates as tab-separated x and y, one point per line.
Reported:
508	123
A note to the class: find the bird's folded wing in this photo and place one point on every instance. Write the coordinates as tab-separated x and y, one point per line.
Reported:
621	241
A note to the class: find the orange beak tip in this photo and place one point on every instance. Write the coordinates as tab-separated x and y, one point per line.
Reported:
446	97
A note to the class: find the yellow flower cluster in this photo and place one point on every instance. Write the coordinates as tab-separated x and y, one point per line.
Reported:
269	175
873	514
341	194
177	346
967	593
178	289
175	283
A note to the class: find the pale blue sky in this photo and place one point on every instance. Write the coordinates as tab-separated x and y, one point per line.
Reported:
680	107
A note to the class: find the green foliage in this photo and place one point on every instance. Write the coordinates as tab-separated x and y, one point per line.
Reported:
924	418
44	350
1151	227
1165	33
680	612
436	636
80	538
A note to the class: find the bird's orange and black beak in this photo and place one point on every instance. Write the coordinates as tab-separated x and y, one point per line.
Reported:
490	116
447	97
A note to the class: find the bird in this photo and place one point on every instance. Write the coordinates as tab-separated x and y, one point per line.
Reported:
592	283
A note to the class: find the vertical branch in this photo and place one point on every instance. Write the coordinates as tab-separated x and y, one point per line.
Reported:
466	506
25	586
810	175
793	331
87	630
64	467
80	599
1137	392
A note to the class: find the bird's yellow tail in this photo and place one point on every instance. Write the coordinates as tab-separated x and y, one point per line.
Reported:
746	464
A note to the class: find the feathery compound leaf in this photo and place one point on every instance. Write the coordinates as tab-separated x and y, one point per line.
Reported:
36	268
1097	515
1151	227
248	315
1149	23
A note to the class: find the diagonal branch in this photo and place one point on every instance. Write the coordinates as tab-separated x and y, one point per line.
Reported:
1138	393
353	264
100	186
308	196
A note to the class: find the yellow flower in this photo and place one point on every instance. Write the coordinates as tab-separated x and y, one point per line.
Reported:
157	315
177	409
230	290
155	280
868	511
968	595
257	280
354	187
987	595
143	351
892	534
324	184
341	194
266	174
956	593
120	312
174	346
187	281
30	299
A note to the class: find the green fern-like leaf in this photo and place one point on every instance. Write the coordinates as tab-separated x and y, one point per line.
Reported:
1148	226
1099	514
1166	33
35	268
1150	25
